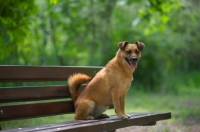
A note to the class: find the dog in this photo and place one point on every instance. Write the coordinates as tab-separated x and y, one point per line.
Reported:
109	86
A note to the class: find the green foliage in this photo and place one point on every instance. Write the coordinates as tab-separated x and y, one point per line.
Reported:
76	32
156	13
14	18
186	30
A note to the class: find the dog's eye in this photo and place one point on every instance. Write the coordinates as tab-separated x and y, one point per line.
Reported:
128	52
137	51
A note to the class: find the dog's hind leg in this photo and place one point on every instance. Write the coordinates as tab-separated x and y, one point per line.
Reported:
102	116
98	112
84	110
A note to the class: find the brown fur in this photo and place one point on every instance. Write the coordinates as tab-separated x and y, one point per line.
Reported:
109	86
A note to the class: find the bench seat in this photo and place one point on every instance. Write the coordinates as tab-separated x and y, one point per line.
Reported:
109	124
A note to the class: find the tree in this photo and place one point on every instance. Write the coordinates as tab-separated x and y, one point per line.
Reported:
14	18
76	32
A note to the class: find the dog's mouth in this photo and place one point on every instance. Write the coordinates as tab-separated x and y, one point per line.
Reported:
132	61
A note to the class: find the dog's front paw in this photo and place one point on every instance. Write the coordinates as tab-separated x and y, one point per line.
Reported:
125	117
129	116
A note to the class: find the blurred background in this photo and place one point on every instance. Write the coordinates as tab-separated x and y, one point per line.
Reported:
86	33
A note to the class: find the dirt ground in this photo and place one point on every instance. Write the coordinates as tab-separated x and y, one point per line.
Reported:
162	126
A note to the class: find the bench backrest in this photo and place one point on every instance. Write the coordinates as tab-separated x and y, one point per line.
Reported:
30	91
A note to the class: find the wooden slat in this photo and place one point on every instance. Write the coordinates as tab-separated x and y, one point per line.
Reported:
42	73
34	93
16	94
112	123
23	111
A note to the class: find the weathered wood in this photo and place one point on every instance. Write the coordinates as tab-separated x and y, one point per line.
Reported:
149	124
108	124
42	73
23	111
28	93
111	131
33	93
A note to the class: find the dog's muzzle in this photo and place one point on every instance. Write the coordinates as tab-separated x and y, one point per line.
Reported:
132	61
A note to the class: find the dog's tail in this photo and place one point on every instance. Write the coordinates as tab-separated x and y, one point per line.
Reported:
74	82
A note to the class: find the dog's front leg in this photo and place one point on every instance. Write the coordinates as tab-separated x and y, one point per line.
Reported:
122	104
117	105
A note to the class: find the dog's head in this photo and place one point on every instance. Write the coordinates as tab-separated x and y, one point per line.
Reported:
131	53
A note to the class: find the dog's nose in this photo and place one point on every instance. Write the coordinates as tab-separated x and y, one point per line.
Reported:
134	59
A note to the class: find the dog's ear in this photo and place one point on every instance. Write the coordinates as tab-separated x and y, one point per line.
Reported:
122	45
140	45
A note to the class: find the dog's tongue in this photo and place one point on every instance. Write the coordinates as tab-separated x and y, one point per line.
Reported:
133	64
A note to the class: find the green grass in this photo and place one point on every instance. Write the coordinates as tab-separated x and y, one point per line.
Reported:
180	106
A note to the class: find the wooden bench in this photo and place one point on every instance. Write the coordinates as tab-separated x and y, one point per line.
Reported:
26	84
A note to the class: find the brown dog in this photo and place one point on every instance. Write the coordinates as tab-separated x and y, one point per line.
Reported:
109	86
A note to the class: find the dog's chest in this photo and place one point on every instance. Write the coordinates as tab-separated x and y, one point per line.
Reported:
116	79
124	84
